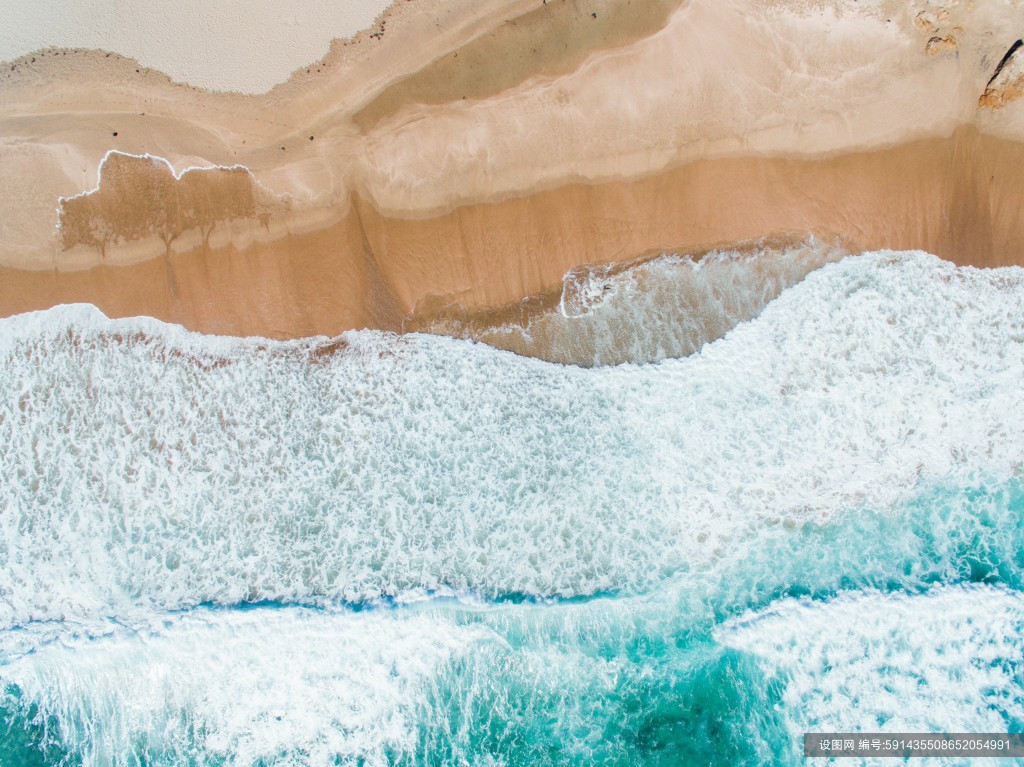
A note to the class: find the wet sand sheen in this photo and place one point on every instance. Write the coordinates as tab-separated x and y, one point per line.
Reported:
958	198
404	179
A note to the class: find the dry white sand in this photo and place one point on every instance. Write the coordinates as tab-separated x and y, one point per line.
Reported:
247	46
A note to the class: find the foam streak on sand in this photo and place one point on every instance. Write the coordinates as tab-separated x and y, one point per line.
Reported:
416	550
152	157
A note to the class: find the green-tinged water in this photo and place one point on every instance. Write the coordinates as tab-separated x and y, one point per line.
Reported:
651	679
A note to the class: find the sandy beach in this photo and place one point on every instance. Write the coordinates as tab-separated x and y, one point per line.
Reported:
468	155
534	383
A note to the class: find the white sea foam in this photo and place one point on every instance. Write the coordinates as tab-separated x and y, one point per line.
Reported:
669	306
282	686
145	467
291	686
945	661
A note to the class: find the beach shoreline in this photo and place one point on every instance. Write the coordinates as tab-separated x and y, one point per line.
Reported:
359	192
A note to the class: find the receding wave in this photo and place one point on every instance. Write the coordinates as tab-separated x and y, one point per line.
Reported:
654	308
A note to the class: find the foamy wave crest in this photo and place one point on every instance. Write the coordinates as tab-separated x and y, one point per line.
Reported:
945	661
262	686
147	468
610	681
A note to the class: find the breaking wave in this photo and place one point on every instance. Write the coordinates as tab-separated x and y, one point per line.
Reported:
416	550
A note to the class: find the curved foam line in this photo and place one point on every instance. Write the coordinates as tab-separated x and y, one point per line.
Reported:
148	156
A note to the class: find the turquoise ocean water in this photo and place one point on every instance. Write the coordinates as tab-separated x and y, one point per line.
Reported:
420	551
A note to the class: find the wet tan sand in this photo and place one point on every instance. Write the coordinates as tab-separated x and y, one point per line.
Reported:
461	156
